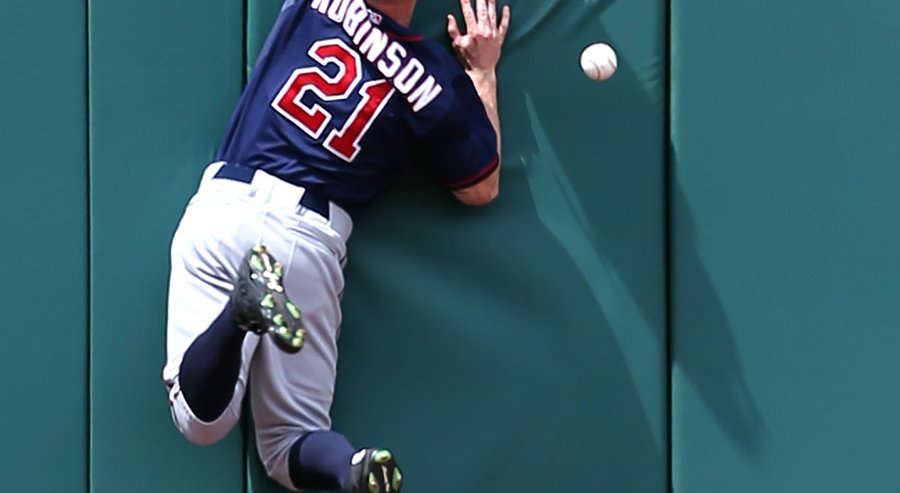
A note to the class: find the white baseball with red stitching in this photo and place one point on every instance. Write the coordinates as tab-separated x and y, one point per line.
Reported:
599	61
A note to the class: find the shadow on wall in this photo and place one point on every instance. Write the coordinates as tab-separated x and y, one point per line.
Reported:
596	211
710	361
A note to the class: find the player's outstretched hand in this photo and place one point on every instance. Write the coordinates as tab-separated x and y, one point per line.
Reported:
479	48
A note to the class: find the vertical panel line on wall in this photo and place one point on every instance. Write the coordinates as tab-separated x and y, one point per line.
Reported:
668	218
88	231
245	57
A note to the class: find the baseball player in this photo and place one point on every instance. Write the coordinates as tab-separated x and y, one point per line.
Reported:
342	97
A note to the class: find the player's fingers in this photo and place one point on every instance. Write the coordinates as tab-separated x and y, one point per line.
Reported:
468	14
463	50
452	28
492	15
504	24
481	7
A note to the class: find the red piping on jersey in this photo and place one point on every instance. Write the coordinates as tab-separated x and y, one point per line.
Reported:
476	178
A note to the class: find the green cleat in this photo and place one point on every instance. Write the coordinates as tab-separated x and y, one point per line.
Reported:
374	470
260	304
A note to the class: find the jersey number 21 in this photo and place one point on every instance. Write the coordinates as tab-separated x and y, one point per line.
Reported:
313	119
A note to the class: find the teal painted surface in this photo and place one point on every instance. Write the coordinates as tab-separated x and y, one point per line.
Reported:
44	230
529	335
261	15
785	255
786	127
164	79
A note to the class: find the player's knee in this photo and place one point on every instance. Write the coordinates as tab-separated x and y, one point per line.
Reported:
196	430
201	435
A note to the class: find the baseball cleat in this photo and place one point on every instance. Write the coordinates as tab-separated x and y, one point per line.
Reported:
374	470
260	304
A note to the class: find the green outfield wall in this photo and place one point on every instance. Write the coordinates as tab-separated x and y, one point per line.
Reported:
43	223
163	78
689	283
785	197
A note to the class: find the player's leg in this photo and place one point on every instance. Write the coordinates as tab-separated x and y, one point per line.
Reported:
326	460
257	304
291	395
208	355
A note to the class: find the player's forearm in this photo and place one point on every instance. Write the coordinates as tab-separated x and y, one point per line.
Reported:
486	191
486	84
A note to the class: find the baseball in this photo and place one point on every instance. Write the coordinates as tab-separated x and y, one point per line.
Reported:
599	61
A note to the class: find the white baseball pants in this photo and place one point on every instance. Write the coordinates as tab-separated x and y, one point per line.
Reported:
289	394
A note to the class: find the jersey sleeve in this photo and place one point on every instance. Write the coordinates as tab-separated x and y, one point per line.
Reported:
461	148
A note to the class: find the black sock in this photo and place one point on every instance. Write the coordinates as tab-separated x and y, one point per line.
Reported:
210	368
320	460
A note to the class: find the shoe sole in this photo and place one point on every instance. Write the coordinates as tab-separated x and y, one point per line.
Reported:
388	479
282	315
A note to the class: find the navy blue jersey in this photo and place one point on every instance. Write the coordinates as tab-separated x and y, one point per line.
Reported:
343	97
